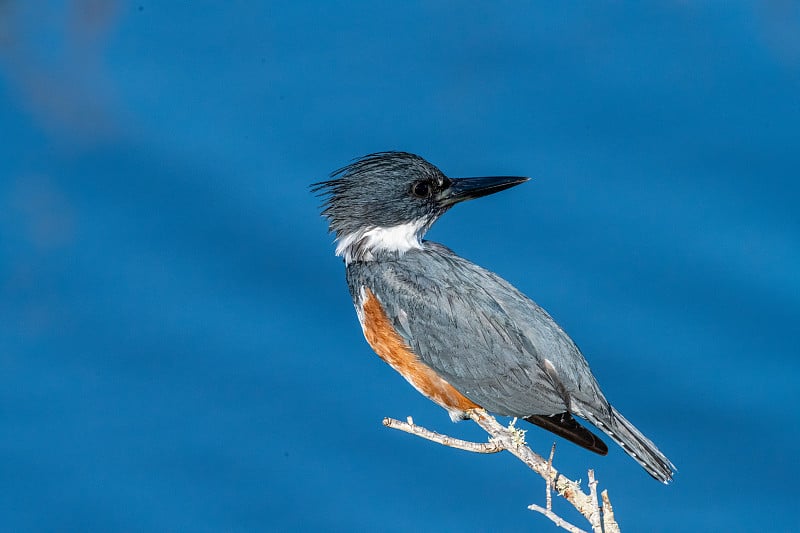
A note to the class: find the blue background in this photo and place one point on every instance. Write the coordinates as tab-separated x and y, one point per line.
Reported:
178	350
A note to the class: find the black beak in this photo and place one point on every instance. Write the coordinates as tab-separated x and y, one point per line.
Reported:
462	189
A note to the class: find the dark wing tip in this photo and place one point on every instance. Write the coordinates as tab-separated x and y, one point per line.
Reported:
564	425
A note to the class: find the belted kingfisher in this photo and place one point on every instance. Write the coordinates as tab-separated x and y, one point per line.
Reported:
461	335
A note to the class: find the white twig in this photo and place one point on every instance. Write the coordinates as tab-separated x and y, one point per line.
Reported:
557	520
594	517
444	440
609	524
549	479
513	440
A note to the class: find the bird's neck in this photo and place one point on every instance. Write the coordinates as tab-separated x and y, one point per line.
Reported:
368	243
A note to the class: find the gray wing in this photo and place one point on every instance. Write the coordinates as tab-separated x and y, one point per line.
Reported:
488	340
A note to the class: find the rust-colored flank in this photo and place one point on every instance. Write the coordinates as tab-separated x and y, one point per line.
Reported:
388	344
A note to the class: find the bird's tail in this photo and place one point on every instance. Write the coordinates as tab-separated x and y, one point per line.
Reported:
635	444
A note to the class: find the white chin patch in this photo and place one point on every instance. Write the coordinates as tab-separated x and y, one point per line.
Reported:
362	245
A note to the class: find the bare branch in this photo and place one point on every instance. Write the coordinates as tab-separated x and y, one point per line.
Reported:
557	520
565	487
513	440
444	440
594	517
549	479
609	524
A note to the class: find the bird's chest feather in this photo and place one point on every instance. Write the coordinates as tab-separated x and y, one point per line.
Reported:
392	348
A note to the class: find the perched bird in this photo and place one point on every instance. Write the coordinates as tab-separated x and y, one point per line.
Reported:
461	335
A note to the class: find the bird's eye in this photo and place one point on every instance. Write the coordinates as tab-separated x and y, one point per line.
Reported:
421	189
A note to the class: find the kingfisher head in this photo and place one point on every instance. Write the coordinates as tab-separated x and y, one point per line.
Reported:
385	202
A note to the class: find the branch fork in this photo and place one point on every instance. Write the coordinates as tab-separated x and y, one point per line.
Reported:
511	439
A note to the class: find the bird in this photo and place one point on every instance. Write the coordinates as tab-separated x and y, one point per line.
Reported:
461	335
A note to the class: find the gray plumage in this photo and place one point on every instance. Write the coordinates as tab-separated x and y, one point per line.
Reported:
484	337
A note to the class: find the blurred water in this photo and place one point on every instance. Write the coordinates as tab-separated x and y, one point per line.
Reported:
177	346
